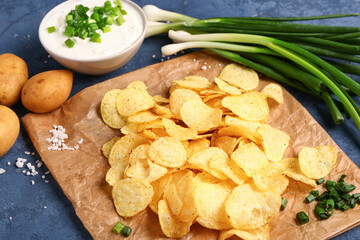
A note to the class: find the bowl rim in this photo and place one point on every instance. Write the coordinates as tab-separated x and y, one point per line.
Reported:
100	58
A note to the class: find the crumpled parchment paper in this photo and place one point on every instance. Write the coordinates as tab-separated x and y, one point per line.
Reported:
81	173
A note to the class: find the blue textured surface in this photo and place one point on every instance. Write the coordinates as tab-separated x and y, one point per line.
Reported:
19	20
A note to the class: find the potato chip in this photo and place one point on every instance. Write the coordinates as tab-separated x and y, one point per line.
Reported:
172	197
158	188
185	188
116	172
249	208
150	134
211	97
138	168
194	82
163	111
199	116
251	106
270	178
262	233
131	100
211	91
124	146
160	154
292	170
140	127
274	92
227	88
178	98
160	132
131	196
229	168
202	159
139	85
216	103
206	177
170	225
106	148
109	112
196	146
240	131
235	121
143	117
249	157
178	131
210	199
275	142
317	164
160	99
240	76
226	143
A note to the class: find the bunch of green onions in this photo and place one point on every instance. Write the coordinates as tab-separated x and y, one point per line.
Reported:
289	53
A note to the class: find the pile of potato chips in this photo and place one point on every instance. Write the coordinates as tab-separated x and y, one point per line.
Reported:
204	155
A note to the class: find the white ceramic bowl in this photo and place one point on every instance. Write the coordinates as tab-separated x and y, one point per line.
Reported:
101	64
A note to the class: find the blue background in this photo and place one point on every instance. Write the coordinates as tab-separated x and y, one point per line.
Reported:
19	21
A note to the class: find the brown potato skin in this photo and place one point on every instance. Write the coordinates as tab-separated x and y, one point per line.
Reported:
9	129
46	91
13	75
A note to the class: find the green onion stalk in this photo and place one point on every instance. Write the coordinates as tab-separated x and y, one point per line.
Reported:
286	52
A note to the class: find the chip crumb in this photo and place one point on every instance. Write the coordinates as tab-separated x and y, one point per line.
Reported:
2	171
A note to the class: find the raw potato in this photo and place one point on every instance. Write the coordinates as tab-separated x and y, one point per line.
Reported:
9	129
13	75
47	90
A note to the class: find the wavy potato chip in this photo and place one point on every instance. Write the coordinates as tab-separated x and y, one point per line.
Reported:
194	82
317	162
292	170
185	188
163	111
226	143
173	199
199	116
274	92
139	85
210	204
106	147
178	131
170	225
140	127
240	76
116	172
275	142
143	117
202	159
262	233
249	157
178	98
249	208
124	146
160	99
251	106
131	196
131	100
159	152
109	112
227	88
240	131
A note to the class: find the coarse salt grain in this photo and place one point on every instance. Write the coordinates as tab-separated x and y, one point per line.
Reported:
57	139
27	152
46	181
154	56
8	163
20	162
2	171
203	68
32	182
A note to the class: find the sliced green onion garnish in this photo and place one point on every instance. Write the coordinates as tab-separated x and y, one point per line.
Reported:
315	193
339	204
302	218
109	20
352	202
69	31
51	29
356	195
330	183
320	181
69	43
344	187
118	227
344	208
310	198
126	231
95	38
107	6
120	20
284	202
346	196
342	178
106	29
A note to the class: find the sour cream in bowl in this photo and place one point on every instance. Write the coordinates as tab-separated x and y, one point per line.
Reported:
87	56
